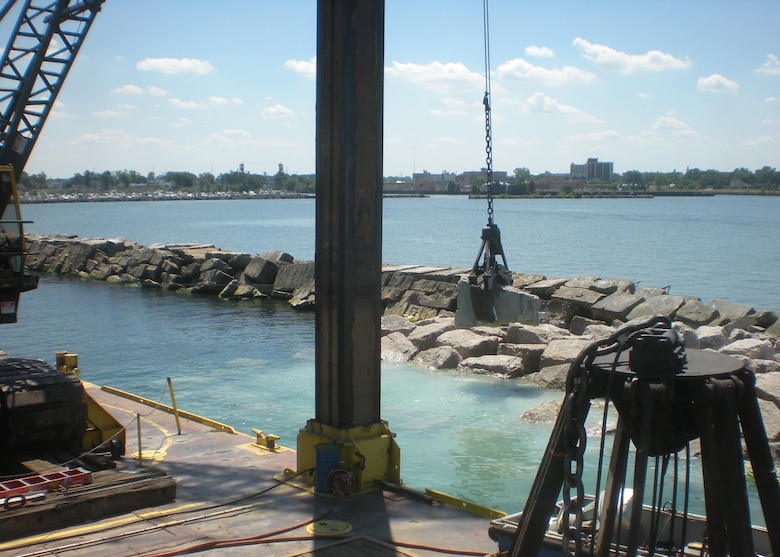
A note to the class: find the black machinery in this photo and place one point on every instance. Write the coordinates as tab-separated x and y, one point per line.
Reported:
665	398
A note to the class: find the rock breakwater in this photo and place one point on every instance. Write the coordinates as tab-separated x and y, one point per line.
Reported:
420	304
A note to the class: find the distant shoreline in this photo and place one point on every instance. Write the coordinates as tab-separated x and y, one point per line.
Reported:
252	195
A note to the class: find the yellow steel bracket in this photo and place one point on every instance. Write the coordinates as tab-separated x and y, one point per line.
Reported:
265	441
367	453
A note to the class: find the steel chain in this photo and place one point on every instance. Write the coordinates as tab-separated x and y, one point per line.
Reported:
575	441
575	436
488	156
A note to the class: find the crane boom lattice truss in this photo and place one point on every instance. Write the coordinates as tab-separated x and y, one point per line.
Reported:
40	52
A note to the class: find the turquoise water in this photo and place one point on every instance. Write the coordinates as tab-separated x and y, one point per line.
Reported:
252	366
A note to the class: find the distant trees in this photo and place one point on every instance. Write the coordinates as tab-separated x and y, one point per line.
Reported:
763	179
520	182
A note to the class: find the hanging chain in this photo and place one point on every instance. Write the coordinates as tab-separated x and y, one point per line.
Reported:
488	122
489	157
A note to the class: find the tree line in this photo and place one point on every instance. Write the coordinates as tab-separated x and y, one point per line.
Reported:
112	180
522	182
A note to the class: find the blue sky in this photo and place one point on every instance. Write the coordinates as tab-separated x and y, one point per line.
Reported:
205	86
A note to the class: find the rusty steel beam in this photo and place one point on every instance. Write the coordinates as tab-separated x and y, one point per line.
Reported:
350	72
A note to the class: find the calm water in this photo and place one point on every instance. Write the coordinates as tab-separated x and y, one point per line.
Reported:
710	247
252	366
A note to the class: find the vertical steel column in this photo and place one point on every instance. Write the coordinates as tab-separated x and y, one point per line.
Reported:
348	268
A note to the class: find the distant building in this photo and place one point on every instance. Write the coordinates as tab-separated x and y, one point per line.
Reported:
593	170
448	182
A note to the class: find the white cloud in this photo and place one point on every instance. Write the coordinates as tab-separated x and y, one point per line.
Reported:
539	51
114	137
771	66
109	113
716	83
156	91
771	99
644	95
175	65
670	123
438	76
59	110
452	107
130	89
522	69
616	61
178	103
306	68
596	137
760	141
237	133
277	111
222	101
539	103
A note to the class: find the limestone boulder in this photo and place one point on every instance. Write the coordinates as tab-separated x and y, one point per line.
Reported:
215	263
211	282
550	377
290	277
519	333
711	337
469	344
695	313
492	364
531	354
731	311
616	306
751	348
563	351
396	323
522	280
545	413
424	336
260	271
577	297
397	348
598	331
768	392
760	367
662	304
545	288
438	357
303	299
229	290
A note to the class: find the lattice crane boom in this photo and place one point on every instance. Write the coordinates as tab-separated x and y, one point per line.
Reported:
40	52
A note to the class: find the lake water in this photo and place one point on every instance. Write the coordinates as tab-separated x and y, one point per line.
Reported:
252	365
707	247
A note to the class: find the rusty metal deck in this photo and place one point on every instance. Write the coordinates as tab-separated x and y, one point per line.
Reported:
229	497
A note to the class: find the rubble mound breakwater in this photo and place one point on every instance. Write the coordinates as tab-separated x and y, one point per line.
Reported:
420	303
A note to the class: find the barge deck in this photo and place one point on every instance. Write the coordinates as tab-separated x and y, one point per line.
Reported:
236	496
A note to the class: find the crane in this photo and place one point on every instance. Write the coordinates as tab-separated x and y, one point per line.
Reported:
41	49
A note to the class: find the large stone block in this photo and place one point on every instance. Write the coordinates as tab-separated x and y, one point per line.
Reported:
615	306
424	336
260	270
468	343
493	364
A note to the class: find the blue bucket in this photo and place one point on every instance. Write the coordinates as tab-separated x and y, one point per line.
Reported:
326	460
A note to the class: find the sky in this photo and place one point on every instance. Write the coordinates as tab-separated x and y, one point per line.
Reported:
204	86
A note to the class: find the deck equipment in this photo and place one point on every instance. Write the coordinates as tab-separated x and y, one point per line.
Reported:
665	398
